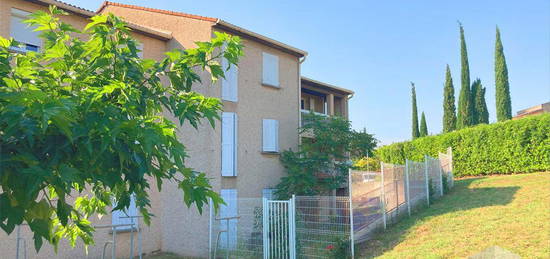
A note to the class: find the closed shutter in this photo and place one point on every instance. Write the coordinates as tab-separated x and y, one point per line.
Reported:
20	31
139	48
120	216
229	144
228	239
230	84
270	69
270	134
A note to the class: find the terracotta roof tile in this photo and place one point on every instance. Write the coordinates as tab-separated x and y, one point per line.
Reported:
192	16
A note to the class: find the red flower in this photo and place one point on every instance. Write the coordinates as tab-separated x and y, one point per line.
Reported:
330	247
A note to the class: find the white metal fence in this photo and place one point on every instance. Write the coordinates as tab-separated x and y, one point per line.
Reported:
327	226
381	198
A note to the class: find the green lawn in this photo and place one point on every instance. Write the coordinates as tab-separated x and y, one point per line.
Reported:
512	212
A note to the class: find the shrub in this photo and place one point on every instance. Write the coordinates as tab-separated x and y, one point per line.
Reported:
516	146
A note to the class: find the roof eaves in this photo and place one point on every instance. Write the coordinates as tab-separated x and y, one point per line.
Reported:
192	16
261	38
319	83
155	33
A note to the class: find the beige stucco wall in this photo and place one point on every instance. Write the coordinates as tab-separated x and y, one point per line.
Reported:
153	48
184	231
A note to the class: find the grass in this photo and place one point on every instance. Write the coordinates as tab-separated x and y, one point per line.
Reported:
512	212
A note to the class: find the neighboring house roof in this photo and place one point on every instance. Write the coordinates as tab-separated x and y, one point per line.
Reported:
316	83
152	32
218	23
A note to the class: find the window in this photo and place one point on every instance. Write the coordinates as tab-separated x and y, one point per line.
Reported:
230	84
229	144
270	135
270	70
21	32
121	217
228	238
139	47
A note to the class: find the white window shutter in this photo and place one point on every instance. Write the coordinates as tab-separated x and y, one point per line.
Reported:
229	210
270	134
229	144
270	69
20	31
120	217
230	84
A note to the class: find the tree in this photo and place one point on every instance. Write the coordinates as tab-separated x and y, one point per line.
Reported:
81	125
415	132
362	144
322	163
423	126
502	87
473	93
482	114
449	110
465	106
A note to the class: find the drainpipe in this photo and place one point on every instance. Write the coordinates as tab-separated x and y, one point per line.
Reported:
300	61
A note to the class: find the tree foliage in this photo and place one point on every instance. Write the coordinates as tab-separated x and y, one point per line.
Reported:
322	162
481	114
465	106
423	126
449	109
514	146
502	87
81	125
362	144
415	131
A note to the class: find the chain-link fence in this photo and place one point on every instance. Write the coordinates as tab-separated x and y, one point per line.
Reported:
446	160
322	226
381	198
236	231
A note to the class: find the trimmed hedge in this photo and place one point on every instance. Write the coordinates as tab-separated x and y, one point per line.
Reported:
514	146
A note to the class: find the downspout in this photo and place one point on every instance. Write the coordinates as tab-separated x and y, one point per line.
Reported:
300	61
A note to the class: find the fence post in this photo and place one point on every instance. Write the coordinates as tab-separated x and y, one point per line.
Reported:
265	227
427	179
440	176
383	196
292	226
210	221
352	237
408	197
450	152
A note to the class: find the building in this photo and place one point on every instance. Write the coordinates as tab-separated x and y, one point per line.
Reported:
263	100
538	109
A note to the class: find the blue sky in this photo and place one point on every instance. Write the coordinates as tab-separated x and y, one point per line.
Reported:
376	48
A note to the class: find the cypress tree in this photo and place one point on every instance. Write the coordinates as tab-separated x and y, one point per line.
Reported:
423	126
464	116
449	110
473	96
482	114
502	87
415	132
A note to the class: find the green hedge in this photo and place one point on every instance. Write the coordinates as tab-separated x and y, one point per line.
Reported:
515	146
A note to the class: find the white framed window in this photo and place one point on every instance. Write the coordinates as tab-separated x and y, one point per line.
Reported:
230	84
270	132
22	33
270	70
229	144
228	239
122	216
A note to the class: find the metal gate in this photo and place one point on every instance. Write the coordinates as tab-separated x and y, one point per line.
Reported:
279	229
